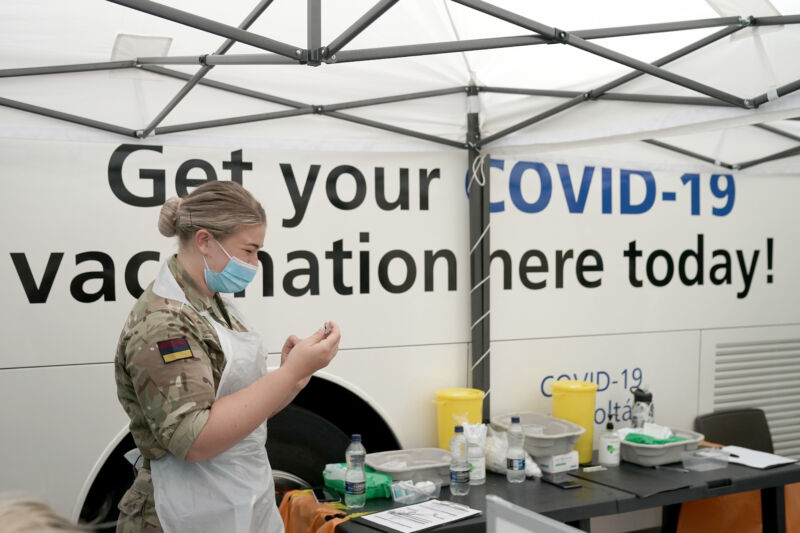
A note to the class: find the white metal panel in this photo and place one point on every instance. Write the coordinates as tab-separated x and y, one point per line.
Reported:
523	370
56	423
756	367
401	382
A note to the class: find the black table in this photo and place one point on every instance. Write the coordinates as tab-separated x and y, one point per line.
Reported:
691	486
614	491
574	506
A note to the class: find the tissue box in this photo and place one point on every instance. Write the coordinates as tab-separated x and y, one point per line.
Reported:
553	464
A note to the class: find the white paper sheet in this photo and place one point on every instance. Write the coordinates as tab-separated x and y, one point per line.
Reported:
421	516
755	459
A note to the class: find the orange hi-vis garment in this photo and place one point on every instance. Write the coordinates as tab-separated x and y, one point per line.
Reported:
302	514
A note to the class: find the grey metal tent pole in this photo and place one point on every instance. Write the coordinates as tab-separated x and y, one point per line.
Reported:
215	59
301	109
75	119
392	99
781	91
314	32
523	40
478	190
394	129
677	54
537	118
564	37
212	26
260	117
776	131
61	69
780	155
598	92
695	155
358	26
200	74
624	97
221	85
333	55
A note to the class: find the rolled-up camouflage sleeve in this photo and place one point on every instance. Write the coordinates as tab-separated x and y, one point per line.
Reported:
172	376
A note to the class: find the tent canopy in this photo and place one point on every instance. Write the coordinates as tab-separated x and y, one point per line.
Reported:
714	80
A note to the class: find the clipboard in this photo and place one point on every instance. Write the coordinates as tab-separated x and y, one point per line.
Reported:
417	517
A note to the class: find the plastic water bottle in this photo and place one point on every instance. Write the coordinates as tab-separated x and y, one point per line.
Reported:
459	467
515	454
355	479
643	410
608	454
477	463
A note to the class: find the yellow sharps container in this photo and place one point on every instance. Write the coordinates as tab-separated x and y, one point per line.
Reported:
454	407
575	401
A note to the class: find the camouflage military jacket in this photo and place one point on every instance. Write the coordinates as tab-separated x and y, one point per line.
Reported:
168	366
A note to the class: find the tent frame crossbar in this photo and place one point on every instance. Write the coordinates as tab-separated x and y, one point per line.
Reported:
689	153
774	157
63	69
783	154
546	35
600	91
213	26
624	97
777	131
357	27
332	110
67	117
330	54
221	85
299	108
780	91
205	69
564	37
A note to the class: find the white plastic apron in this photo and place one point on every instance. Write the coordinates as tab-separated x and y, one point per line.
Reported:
233	492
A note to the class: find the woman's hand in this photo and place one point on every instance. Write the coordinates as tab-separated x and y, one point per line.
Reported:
306	356
290	343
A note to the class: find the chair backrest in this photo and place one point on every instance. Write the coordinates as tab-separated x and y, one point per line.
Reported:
736	427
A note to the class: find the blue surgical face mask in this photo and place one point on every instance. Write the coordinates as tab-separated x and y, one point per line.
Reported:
234	277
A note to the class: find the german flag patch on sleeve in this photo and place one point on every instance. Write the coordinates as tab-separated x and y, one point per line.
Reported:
174	350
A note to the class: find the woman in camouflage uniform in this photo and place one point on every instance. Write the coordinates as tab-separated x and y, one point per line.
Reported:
192	376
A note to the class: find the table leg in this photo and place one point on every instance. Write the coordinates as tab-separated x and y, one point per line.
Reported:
773	509
669	518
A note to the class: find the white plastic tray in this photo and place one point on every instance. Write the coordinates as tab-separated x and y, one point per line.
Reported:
544	434
660	454
415	464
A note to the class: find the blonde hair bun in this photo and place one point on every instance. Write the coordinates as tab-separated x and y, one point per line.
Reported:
168	219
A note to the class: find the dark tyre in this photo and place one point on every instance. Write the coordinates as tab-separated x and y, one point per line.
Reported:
300	444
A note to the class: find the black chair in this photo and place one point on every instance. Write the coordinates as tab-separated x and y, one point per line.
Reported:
736	427
747	428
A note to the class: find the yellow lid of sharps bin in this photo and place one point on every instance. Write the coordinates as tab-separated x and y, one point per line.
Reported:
571	385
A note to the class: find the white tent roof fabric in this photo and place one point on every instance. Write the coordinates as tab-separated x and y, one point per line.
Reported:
757	62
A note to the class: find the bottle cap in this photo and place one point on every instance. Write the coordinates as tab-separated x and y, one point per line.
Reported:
641	395
515	420
610	425
459	429
356	437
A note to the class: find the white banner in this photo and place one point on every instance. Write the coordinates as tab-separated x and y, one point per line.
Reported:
379	243
589	249
374	242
